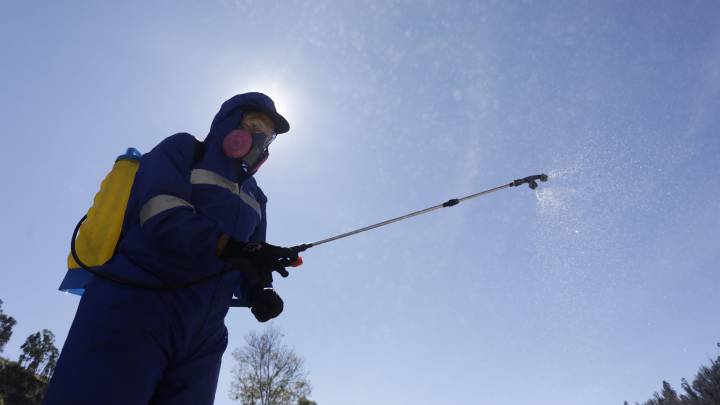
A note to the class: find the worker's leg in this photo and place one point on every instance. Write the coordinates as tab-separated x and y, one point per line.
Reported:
114	352
194	380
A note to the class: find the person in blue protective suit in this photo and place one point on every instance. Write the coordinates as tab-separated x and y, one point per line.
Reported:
194	210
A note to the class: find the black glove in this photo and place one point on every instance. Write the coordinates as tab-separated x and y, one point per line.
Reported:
266	304
259	259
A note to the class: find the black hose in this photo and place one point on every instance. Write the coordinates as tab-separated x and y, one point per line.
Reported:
130	283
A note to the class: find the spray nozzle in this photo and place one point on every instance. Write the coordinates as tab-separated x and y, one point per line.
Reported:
530	180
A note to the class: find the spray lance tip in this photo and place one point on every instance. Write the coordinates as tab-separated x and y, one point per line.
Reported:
531	181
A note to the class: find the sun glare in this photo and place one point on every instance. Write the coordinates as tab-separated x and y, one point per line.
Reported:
286	94
281	93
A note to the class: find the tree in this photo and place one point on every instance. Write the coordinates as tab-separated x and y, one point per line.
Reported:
268	372
7	323
23	385
668	396
305	401
39	351
705	389
18	386
706	386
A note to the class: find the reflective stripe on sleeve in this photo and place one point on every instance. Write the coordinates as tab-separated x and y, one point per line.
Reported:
202	176
160	203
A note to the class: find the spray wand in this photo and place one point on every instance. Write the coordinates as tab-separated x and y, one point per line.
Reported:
531	181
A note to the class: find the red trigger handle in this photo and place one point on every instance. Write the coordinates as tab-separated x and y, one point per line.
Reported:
300	248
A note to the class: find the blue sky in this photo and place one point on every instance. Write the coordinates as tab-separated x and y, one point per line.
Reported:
592	289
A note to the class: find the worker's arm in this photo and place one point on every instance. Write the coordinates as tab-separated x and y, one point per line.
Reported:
163	192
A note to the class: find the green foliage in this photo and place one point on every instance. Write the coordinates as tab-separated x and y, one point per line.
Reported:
24	382
305	401
7	323
39	354
268	372
705	389
18	386
668	396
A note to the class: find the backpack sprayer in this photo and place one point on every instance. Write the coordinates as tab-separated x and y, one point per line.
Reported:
99	241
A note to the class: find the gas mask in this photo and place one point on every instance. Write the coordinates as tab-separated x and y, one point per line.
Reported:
248	150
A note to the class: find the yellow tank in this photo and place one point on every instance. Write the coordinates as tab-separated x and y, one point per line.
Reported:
98	237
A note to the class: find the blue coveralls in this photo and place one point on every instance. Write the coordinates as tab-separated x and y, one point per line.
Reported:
135	346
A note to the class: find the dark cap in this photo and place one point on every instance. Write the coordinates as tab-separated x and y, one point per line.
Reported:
261	103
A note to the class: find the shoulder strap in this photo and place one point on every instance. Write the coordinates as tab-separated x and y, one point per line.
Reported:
199	151
198	154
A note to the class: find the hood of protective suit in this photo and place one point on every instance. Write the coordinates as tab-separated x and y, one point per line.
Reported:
227	119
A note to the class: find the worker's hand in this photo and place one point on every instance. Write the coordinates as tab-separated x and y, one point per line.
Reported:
259	259
266	304
263	254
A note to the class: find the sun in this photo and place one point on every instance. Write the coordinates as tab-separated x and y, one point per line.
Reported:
291	102
280	92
